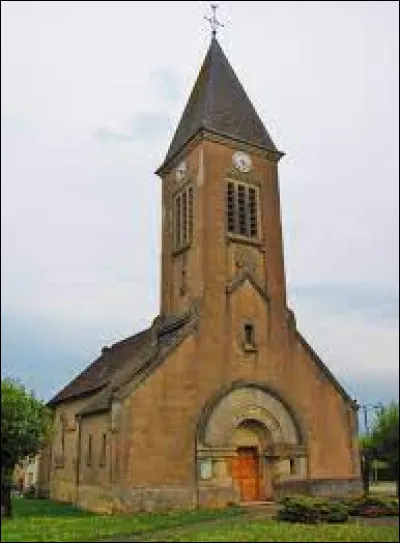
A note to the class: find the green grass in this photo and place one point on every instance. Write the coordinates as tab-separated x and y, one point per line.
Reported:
47	508
270	530
43	520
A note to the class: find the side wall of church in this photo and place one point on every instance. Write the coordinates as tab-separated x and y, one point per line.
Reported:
63	454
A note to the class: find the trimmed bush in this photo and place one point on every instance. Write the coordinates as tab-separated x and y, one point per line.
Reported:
30	492
373	506
310	510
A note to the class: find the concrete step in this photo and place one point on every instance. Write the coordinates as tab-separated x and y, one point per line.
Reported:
268	509
258	504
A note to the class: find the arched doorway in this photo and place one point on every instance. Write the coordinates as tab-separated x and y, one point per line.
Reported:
248	441
251	473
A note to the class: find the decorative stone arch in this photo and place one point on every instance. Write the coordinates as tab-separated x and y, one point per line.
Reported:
244	400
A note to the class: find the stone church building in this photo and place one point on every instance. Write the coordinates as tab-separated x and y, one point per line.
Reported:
222	399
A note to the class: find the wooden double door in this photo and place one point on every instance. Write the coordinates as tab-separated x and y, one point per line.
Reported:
246	472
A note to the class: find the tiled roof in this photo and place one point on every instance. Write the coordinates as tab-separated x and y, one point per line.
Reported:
219	103
124	360
165	337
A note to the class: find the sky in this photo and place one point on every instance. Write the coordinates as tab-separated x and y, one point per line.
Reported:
91	93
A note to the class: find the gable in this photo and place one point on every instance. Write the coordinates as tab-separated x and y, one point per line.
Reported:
166	335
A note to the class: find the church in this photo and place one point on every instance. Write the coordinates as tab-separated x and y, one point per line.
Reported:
221	400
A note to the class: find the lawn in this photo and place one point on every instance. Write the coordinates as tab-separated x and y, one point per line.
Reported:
270	530
43	520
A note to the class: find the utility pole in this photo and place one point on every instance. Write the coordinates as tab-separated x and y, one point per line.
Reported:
366	460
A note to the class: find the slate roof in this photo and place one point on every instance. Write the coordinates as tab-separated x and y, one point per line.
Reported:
124	360
144	361
219	104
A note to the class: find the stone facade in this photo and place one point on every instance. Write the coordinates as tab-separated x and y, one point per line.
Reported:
173	434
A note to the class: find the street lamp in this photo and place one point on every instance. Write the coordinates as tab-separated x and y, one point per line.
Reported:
365	458
369	407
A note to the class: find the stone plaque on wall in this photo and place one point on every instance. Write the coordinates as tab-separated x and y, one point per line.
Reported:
206	471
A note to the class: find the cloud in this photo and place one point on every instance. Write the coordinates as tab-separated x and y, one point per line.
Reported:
167	83
11	124
144	127
81	220
350	343
374	301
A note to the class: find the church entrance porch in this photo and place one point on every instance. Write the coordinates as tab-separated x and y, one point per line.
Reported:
247	441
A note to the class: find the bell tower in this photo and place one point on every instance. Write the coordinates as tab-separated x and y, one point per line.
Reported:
220	197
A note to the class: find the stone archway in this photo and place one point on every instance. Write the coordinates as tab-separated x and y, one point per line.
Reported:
247	438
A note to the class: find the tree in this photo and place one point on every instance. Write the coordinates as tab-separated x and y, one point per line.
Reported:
25	424
385	438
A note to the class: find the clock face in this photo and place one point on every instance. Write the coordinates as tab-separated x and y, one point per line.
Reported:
181	171
242	161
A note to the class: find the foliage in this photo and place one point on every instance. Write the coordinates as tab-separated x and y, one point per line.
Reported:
44	520
25	423
382	443
312	510
373	506
30	492
385	436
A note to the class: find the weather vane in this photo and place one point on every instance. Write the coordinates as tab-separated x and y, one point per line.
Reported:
214	23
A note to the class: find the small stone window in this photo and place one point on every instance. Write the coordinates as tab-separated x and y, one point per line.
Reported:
206	469
89	451
249	337
62	438
249	334
292	466
103	452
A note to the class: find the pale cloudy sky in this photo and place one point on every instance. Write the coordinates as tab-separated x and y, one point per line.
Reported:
91	95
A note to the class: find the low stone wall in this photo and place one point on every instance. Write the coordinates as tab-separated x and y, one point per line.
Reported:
97	499
156	499
63	491
133	500
217	496
319	487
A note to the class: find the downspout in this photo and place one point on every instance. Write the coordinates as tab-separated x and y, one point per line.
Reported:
78	458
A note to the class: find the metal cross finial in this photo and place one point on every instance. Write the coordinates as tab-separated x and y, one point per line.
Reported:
214	23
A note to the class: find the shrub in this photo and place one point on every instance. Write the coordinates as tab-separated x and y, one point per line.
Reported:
311	510
30	492
374	506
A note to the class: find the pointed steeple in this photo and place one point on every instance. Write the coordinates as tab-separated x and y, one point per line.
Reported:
219	104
